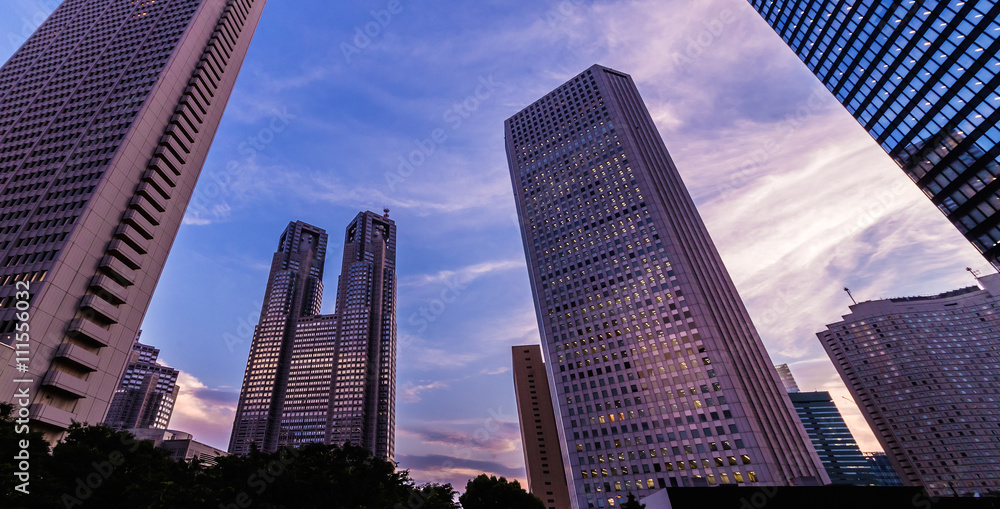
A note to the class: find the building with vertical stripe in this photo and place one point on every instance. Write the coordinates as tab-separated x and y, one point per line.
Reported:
543	452
658	374
107	113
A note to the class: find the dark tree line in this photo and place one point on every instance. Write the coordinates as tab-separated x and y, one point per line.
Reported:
98	467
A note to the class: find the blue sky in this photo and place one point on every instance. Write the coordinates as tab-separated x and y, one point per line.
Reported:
799	199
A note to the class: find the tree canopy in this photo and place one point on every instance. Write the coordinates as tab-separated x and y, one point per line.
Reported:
489	492
98	467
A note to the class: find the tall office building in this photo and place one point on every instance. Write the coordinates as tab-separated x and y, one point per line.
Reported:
833	440
543	455
657	374
921	77
324	378
363	403
146	393
924	372
106	115
294	290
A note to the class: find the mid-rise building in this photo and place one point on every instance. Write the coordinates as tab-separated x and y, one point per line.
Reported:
543	456
842	458
925	372
882	471
658	374
921	77
107	113
834	442
181	446
324	378
785	374
146	392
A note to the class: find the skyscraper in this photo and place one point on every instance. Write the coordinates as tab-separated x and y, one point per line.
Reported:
657	374
363	403
107	113
924	372
921	77
146	393
543	456
324	378
294	290
833	440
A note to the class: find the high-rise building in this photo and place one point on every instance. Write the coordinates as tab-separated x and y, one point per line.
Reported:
324	378
543	456
882	470
658	375
842	458
925	374
787	379
294	290
921	77
146	392
363	403
107	113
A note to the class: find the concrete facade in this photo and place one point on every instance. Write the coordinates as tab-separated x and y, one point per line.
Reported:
543	456
107	114
657	373
925	373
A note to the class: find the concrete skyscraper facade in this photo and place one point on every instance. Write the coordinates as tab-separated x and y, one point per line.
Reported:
363	402
294	290
107	113
146	393
543	451
658	376
921	77
314	378
925	373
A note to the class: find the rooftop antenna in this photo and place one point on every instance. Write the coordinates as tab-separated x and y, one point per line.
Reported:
848	290
975	273
385	212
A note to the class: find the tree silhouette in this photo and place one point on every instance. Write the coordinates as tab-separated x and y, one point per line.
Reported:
491	493
632	503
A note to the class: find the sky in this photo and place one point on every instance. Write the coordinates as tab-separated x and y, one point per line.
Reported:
799	199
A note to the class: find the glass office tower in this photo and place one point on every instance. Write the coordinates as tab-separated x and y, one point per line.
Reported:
921	77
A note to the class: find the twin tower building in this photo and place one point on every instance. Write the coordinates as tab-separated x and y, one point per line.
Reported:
324	378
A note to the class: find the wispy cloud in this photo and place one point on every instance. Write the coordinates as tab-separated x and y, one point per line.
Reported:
205	412
410	392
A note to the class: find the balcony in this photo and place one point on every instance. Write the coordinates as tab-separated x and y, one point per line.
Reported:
66	382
